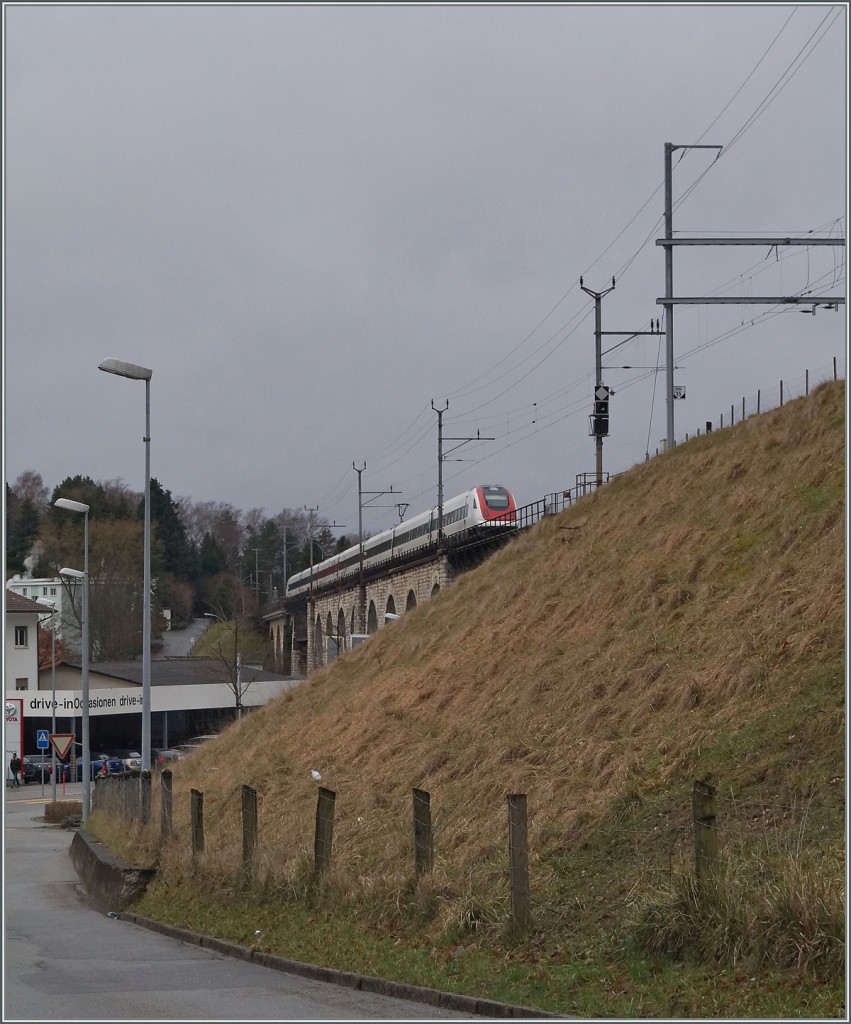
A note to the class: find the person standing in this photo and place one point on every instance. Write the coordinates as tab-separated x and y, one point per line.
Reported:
15	769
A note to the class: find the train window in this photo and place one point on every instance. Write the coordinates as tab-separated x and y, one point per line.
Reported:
496	497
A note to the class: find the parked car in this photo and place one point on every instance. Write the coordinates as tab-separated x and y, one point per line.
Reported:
187	748
65	773
128	756
110	765
132	759
165	757
31	770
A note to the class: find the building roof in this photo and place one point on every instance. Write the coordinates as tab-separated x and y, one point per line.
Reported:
179	672
15	602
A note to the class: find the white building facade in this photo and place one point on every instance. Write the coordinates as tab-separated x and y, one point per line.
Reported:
65	595
20	656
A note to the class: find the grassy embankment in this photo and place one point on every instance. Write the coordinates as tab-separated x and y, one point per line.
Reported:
686	622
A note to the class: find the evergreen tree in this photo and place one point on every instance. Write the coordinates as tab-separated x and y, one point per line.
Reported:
22	523
211	559
171	533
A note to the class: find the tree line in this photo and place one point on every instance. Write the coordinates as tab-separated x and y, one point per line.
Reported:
205	556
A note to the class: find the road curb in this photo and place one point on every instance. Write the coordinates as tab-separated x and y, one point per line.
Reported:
110	883
348	979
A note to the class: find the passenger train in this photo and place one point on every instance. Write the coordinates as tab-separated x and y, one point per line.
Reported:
486	506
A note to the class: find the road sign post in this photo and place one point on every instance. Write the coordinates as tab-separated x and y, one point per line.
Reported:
62	742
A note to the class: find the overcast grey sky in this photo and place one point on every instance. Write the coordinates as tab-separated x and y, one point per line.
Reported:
312	221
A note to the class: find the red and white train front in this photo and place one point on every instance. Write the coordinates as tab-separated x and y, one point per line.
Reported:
495	503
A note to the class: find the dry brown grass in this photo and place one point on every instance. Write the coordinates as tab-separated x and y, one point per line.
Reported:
661	628
60	812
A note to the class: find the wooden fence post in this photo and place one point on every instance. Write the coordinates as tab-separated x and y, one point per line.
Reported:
145	797
324	829
705	831
781	394
423	848
518	860
197	804
249	828
124	799
165	803
807	382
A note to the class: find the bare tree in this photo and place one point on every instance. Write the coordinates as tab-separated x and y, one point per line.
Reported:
236	643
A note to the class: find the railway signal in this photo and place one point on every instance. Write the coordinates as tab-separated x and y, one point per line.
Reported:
600	419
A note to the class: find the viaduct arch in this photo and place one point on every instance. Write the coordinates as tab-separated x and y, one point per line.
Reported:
311	635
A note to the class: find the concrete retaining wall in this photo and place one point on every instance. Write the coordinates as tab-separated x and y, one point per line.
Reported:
110	883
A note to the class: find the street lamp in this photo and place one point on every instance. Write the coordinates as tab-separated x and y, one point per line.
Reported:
52	606
134	372
87	760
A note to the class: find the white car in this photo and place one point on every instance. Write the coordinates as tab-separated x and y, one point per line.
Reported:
166	756
129	758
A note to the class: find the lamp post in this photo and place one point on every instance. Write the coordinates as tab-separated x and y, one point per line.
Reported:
52	606
79	506
134	372
87	760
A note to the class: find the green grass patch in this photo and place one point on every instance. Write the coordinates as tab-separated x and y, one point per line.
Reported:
588	978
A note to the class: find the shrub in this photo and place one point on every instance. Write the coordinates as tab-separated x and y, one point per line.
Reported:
63	812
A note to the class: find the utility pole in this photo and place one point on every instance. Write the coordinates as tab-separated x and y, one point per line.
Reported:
440	413
310	512
600	420
325	526
600	417
628	336
670	300
441	457
311	606
241	564
361	583
669	284
257	573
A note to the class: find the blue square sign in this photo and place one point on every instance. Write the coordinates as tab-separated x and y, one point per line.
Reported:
41	740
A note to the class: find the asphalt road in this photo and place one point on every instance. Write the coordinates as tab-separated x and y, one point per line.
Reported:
66	962
178	643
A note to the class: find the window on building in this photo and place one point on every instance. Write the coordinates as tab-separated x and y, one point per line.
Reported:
44	591
53	591
22	684
21	636
24	592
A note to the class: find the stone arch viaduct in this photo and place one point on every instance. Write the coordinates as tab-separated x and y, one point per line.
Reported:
310	631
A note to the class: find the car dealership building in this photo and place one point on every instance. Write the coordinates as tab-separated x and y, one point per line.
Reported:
190	696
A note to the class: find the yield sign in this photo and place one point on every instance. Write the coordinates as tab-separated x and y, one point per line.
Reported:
62	742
